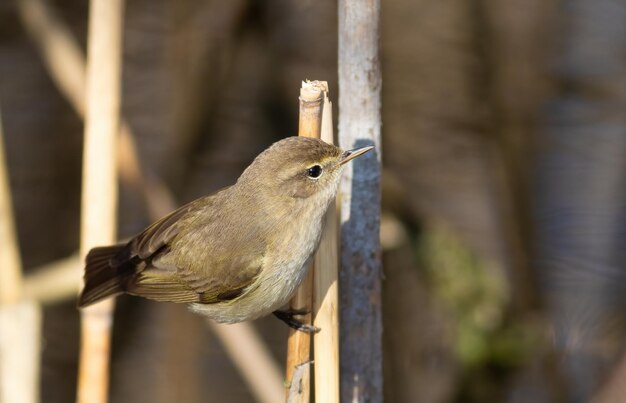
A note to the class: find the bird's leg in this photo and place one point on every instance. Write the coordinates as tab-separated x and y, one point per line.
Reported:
288	317
296	312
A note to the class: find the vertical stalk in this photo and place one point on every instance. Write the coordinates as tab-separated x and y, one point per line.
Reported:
325	294
99	197
361	267
299	343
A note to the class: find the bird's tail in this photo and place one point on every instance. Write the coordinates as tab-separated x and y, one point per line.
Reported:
102	280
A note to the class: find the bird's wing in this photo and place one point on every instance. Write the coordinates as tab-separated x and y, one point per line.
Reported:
228	280
223	279
157	236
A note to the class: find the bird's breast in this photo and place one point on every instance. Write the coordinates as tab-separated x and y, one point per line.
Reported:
284	267
287	264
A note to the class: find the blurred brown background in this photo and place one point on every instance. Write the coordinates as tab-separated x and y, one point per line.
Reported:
504	188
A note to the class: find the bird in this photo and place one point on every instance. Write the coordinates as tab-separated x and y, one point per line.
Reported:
239	253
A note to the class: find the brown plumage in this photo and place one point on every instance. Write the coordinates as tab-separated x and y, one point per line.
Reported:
237	254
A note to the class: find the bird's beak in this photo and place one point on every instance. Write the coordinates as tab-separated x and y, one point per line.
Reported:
350	154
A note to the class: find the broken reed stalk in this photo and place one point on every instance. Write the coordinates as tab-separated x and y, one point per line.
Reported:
359	192
99	190
20	321
56	281
326	293
299	343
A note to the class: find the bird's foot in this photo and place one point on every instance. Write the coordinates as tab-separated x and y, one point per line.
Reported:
288	317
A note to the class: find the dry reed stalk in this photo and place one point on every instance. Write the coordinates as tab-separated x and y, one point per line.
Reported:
20	344
299	343
99	194
299	346
326	294
20	321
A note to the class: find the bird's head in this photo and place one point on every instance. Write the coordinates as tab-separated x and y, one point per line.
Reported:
299	168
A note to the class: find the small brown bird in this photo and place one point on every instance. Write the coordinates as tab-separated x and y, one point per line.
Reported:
238	254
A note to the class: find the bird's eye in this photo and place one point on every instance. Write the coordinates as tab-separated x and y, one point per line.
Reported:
314	172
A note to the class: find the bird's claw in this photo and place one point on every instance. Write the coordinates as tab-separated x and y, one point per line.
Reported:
288	318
